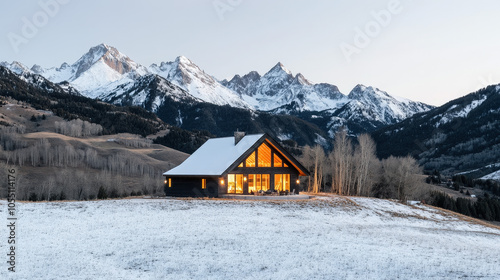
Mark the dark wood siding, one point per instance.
(192, 187)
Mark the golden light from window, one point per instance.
(250, 162)
(264, 156)
(277, 161)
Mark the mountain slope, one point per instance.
(190, 77)
(148, 92)
(93, 73)
(461, 135)
(279, 87)
(107, 74)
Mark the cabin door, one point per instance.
(235, 183)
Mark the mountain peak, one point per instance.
(108, 55)
(302, 80)
(279, 67)
(37, 69)
(183, 60)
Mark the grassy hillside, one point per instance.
(54, 166)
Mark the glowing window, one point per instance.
(169, 182)
(266, 182)
(252, 180)
(264, 156)
(203, 183)
(257, 182)
(239, 183)
(282, 182)
(231, 183)
(235, 183)
(241, 165)
(277, 161)
(285, 165)
(250, 162)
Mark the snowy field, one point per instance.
(326, 238)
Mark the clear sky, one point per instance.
(424, 50)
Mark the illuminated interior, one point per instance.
(282, 182)
(241, 165)
(264, 156)
(257, 182)
(277, 161)
(250, 162)
(235, 183)
(203, 183)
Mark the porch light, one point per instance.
(222, 181)
(298, 181)
(165, 181)
(245, 179)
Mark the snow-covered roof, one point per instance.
(215, 156)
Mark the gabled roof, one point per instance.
(219, 155)
(215, 156)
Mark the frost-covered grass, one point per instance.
(325, 238)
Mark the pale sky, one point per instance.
(425, 50)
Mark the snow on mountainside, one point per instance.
(279, 87)
(95, 71)
(36, 80)
(492, 176)
(189, 76)
(149, 92)
(458, 136)
(105, 73)
(378, 105)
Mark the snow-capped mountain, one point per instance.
(189, 76)
(458, 136)
(148, 91)
(377, 105)
(105, 73)
(102, 68)
(15, 67)
(280, 88)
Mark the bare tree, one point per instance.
(400, 178)
(307, 160)
(364, 163)
(319, 162)
(341, 158)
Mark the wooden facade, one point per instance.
(265, 167)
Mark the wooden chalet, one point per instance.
(243, 164)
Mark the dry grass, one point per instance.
(467, 218)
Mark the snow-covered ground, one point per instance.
(325, 238)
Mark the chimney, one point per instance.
(238, 136)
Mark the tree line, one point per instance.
(353, 169)
(78, 128)
(82, 169)
(485, 208)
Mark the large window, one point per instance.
(235, 183)
(282, 182)
(264, 156)
(277, 161)
(250, 162)
(257, 182)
